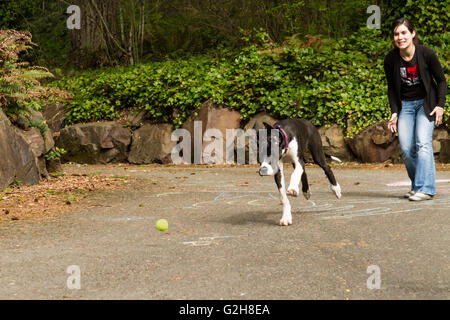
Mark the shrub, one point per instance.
(326, 81)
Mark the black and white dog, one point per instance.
(291, 141)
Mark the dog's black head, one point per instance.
(271, 143)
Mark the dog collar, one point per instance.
(285, 137)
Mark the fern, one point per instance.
(19, 83)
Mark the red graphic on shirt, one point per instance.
(413, 72)
(410, 75)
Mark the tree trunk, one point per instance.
(97, 41)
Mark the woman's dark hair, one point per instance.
(408, 24)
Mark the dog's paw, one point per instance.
(292, 192)
(285, 221)
(337, 190)
(307, 195)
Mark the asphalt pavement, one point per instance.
(224, 240)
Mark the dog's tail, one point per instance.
(333, 158)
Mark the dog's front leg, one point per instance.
(293, 189)
(286, 219)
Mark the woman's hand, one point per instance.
(392, 124)
(439, 111)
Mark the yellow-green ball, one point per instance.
(162, 224)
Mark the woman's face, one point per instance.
(403, 38)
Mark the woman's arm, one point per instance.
(388, 70)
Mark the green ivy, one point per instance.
(326, 81)
(55, 154)
(430, 17)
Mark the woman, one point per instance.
(416, 91)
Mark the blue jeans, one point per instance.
(415, 133)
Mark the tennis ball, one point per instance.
(162, 224)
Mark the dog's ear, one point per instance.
(256, 126)
(267, 126)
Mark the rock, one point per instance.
(381, 136)
(333, 142)
(396, 157)
(36, 116)
(53, 166)
(97, 142)
(54, 114)
(444, 155)
(136, 118)
(49, 143)
(374, 144)
(42, 167)
(39, 145)
(35, 140)
(21, 121)
(438, 135)
(17, 160)
(216, 117)
(151, 143)
(259, 119)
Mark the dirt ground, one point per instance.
(56, 195)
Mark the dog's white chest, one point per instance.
(292, 152)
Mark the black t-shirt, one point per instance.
(412, 84)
